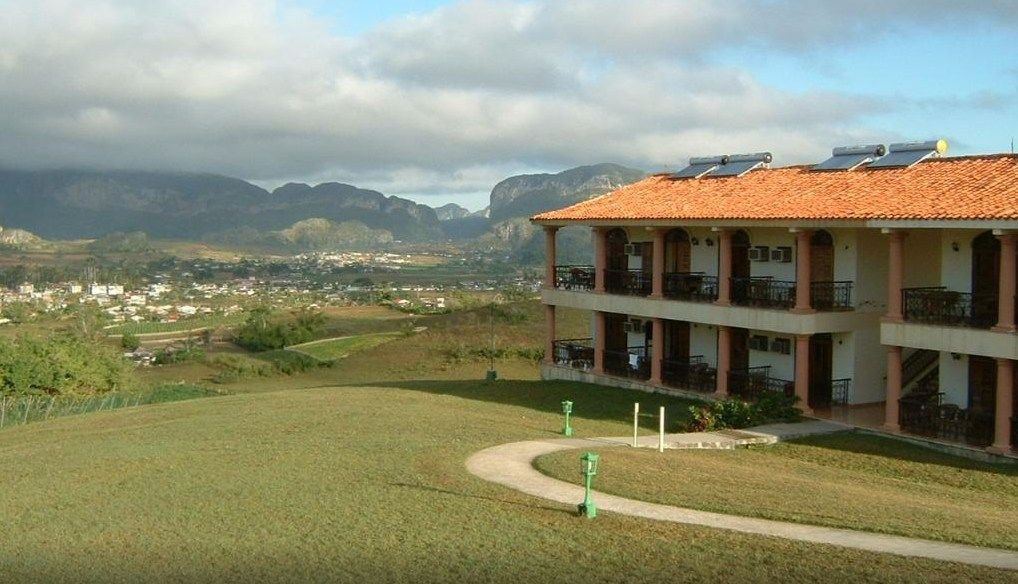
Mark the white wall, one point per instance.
(703, 340)
(922, 261)
(870, 290)
(954, 379)
(703, 257)
(869, 380)
(956, 266)
(845, 253)
(772, 237)
(782, 366)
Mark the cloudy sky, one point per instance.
(439, 100)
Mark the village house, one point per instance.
(878, 286)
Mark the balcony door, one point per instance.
(821, 366)
(617, 258)
(982, 384)
(677, 252)
(740, 266)
(985, 278)
(821, 269)
(739, 352)
(615, 338)
(676, 340)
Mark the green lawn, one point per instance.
(331, 349)
(848, 480)
(358, 484)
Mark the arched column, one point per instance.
(802, 373)
(1004, 408)
(658, 277)
(599, 341)
(549, 344)
(1006, 300)
(724, 267)
(893, 388)
(895, 275)
(549, 256)
(724, 360)
(803, 263)
(658, 334)
(600, 257)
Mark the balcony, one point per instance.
(753, 382)
(631, 363)
(923, 413)
(691, 286)
(829, 296)
(628, 282)
(763, 292)
(692, 374)
(574, 277)
(938, 305)
(575, 353)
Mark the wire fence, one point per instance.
(20, 410)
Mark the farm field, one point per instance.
(357, 483)
(854, 481)
(183, 325)
(342, 347)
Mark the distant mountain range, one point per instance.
(73, 204)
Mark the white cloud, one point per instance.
(445, 102)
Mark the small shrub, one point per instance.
(736, 413)
(130, 342)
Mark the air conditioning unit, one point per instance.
(781, 254)
(759, 253)
(633, 326)
(758, 343)
(780, 345)
(632, 249)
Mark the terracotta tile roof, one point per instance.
(963, 187)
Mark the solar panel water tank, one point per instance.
(740, 164)
(699, 166)
(905, 154)
(850, 157)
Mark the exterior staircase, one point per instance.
(920, 369)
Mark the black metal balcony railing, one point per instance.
(753, 382)
(692, 373)
(938, 305)
(764, 292)
(923, 413)
(575, 353)
(839, 391)
(831, 295)
(694, 286)
(631, 282)
(574, 277)
(632, 363)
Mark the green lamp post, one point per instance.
(567, 408)
(588, 468)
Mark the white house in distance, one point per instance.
(878, 286)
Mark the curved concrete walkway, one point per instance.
(512, 465)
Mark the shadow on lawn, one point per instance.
(886, 447)
(592, 402)
(483, 498)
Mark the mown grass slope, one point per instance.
(357, 484)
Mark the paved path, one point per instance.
(512, 465)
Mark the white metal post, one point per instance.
(661, 434)
(636, 422)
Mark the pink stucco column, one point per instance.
(658, 334)
(724, 359)
(549, 343)
(893, 389)
(802, 373)
(1005, 320)
(724, 268)
(599, 333)
(549, 256)
(658, 277)
(803, 263)
(1004, 407)
(600, 257)
(895, 276)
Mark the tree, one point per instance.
(130, 342)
